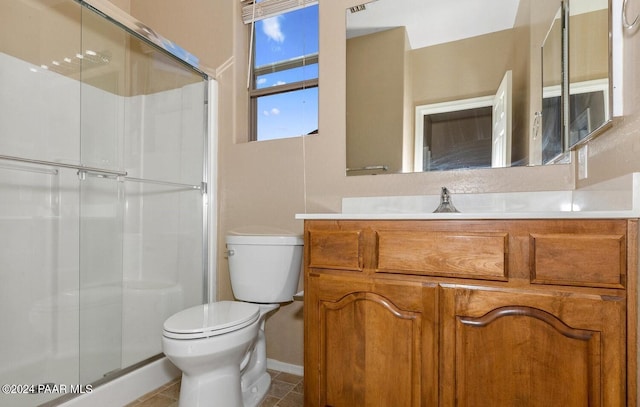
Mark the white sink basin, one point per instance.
(616, 198)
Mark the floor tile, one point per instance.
(288, 378)
(172, 391)
(158, 401)
(292, 400)
(286, 391)
(270, 401)
(280, 389)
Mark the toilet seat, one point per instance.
(206, 320)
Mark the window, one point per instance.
(283, 87)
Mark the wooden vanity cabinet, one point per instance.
(470, 313)
(376, 342)
(524, 349)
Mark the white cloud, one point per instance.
(273, 112)
(279, 83)
(271, 27)
(261, 81)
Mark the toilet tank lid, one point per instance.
(264, 236)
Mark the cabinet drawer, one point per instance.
(452, 254)
(580, 259)
(335, 250)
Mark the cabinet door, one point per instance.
(528, 349)
(369, 343)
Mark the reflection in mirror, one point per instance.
(412, 66)
(454, 135)
(552, 101)
(471, 133)
(589, 85)
(421, 91)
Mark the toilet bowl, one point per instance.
(220, 347)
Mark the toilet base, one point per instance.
(220, 388)
(224, 387)
(256, 380)
(253, 396)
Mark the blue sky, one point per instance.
(281, 38)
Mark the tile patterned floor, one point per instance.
(286, 391)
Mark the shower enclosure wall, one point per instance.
(102, 195)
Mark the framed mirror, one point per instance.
(424, 80)
(589, 45)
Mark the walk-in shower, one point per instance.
(103, 194)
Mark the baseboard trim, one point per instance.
(285, 367)
(129, 387)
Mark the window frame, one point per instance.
(436, 108)
(255, 93)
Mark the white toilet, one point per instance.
(220, 346)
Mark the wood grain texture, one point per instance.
(533, 350)
(466, 255)
(471, 313)
(335, 250)
(374, 343)
(578, 259)
(632, 313)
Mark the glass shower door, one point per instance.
(102, 146)
(144, 113)
(39, 207)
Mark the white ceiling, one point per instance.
(431, 22)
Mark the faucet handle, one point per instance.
(446, 206)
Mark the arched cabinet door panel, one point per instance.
(370, 341)
(505, 349)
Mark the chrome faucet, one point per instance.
(445, 202)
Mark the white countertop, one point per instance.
(476, 215)
(616, 198)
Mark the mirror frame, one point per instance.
(558, 90)
(608, 122)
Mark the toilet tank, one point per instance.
(264, 267)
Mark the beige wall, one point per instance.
(462, 69)
(269, 182)
(589, 46)
(50, 34)
(376, 95)
(123, 4)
